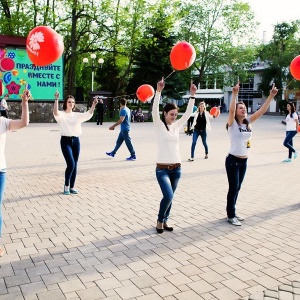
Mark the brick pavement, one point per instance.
(102, 244)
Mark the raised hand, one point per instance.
(56, 95)
(273, 91)
(193, 89)
(236, 88)
(161, 85)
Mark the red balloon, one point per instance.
(6, 64)
(214, 111)
(295, 67)
(182, 56)
(44, 45)
(145, 92)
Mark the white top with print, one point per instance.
(240, 138)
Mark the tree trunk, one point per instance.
(73, 59)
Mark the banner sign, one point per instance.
(16, 70)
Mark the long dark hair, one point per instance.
(292, 108)
(166, 109)
(245, 121)
(66, 100)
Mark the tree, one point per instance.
(221, 34)
(278, 54)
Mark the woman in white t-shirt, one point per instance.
(240, 132)
(70, 129)
(168, 167)
(10, 125)
(292, 124)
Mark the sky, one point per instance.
(269, 13)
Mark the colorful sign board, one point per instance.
(16, 70)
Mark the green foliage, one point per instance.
(221, 35)
(135, 38)
(279, 52)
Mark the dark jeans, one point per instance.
(70, 147)
(236, 170)
(124, 136)
(99, 118)
(288, 141)
(168, 181)
(4, 113)
(203, 135)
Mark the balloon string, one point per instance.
(169, 75)
(289, 83)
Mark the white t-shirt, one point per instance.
(70, 123)
(168, 140)
(4, 127)
(3, 105)
(290, 122)
(240, 138)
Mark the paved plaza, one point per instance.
(102, 243)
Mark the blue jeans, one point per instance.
(236, 170)
(288, 141)
(70, 147)
(124, 136)
(167, 180)
(203, 135)
(2, 188)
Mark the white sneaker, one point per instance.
(191, 159)
(240, 218)
(234, 221)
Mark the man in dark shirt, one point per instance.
(100, 111)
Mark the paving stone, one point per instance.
(51, 295)
(33, 288)
(71, 286)
(91, 294)
(103, 241)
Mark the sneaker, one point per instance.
(132, 157)
(206, 156)
(240, 218)
(73, 191)
(191, 159)
(234, 221)
(66, 190)
(111, 154)
(295, 154)
(287, 160)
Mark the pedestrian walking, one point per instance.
(124, 121)
(4, 106)
(99, 111)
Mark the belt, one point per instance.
(169, 167)
(70, 137)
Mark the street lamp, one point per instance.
(93, 66)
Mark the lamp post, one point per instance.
(93, 66)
